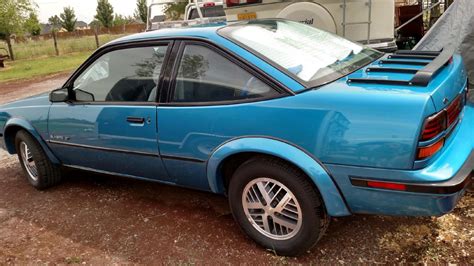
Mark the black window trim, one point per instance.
(114, 47)
(231, 56)
(224, 32)
(167, 80)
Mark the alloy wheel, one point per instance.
(272, 208)
(28, 161)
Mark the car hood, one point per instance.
(35, 100)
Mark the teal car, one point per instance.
(293, 124)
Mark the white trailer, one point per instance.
(369, 22)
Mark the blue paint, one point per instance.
(106, 126)
(331, 132)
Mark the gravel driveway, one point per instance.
(95, 219)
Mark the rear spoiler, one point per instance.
(421, 77)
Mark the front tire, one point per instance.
(39, 170)
(277, 206)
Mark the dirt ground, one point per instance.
(95, 219)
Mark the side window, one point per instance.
(126, 75)
(206, 76)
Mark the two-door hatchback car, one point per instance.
(293, 124)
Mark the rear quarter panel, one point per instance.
(448, 83)
(376, 128)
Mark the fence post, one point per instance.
(55, 43)
(96, 37)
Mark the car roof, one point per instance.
(206, 31)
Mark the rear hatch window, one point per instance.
(310, 55)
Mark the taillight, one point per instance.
(453, 110)
(428, 151)
(434, 125)
(439, 122)
(209, 4)
(230, 3)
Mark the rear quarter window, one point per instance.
(206, 76)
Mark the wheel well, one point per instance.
(9, 136)
(231, 163)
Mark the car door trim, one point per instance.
(104, 172)
(103, 148)
(180, 158)
(168, 74)
(171, 157)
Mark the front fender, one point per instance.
(330, 193)
(12, 126)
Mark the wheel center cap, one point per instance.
(270, 210)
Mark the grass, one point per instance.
(25, 69)
(38, 58)
(41, 48)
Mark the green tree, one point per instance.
(32, 25)
(55, 22)
(68, 19)
(195, 66)
(122, 20)
(175, 10)
(95, 24)
(13, 14)
(141, 11)
(105, 13)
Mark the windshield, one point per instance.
(310, 54)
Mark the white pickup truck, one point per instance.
(208, 11)
(369, 22)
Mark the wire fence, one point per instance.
(61, 43)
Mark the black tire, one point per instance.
(314, 217)
(48, 174)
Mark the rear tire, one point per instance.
(39, 170)
(289, 228)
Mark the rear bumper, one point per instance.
(430, 199)
(420, 199)
(455, 185)
(431, 191)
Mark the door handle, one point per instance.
(135, 120)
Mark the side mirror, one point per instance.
(59, 95)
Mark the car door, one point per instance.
(209, 99)
(110, 124)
